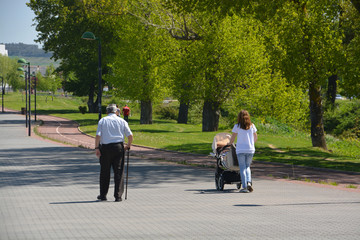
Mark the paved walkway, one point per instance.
(48, 191)
(67, 131)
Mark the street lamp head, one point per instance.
(23, 61)
(20, 69)
(22, 76)
(88, 36)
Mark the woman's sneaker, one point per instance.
(244, 190)
(249, 187)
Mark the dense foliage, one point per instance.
(10, 74)
(344, 121)
(271, 57)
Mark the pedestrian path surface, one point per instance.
(66, 131)
(48, 191)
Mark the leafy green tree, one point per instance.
(305, 42)
(60, 24)
(182, 77)
(273, 96)
(350, 77)
(136, 71)
(212, 66)
(227, 62)
(8, 70)
(51, 81)
(41, 83)
(307, 49)
(182, 32)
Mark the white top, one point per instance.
(245, 139)
(112, 129)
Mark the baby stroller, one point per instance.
(227, 166)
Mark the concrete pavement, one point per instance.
(48, 191)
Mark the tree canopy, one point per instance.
(262, 55)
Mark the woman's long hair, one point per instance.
(243, 119)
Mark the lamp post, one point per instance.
(2, 91)
(23, 61)
(26, 104)
(22, 96)
(91, 36)
(35, 80)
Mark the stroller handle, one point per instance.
(220, 149)
(224, 147)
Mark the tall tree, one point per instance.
(221, 62)
(8, 70)
(182, 77)
(60, 24)
(212, 62)
(350, 77)
(308, 45)
(136, 72)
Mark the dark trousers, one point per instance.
(126, 118)
(112, 155)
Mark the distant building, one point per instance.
(3, 51)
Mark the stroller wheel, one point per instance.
(219, 182)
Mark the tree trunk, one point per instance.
(91, 105)
(146, 112)
(331, 92)
(210, 116)
(183, 112)
(316, 116)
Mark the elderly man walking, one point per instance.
(109, 145)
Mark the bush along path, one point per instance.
(64, 131)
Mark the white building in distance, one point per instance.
(3, 51)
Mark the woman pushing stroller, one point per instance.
(246, 135)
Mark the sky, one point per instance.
(16, 22)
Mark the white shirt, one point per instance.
(245, 139)
(112, 129)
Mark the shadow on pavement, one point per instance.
(48, 166)
(12, 122)
(213, 191)
(61, 166)
(74, 202)
(295, 204)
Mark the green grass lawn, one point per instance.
(272, 146)
(45, 103)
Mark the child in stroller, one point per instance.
(227, 166)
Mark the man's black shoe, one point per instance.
(101, 198)
(118, 199)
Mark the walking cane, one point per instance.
(127, 173)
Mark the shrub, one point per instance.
(344, 120)
(167, 112)
(195, 113)
(82, 109)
